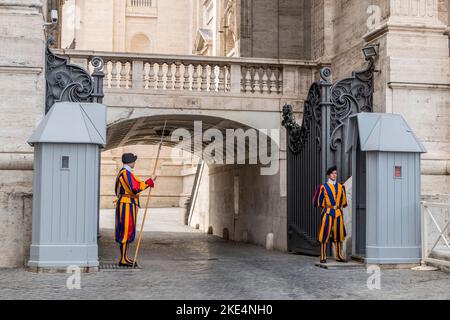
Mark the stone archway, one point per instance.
(243, 204)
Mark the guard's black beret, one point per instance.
(330, 170)
(128, 158)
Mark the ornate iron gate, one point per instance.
(317, 144)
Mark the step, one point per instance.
(332, 265)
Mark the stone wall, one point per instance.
(275, 29)
(22, 106)
(201, 211)
(246, 206)
(110, 25)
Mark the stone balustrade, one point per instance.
(207, 75)
(141, 3)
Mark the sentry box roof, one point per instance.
(72, 122)
(382, 132)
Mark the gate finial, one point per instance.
(325, 74)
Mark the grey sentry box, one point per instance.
(67, 145)
(386, 189)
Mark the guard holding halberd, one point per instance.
(127, 189)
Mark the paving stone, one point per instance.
(192, 265)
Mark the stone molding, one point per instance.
(16, 161)
(418, 86)
(23, 70)
(22, 3)
(388, 27)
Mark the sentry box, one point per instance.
(386, 189)
(67, 146)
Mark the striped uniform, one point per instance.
(127, 189)
(331, 199)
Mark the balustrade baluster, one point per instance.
(273, 82)
(257, 81)
(130, 75)
(280, 80)
(221, 79)
(243, 74)
(114, 79)
(145, 75)
(169, 84)
(151, 76)
(195, 78)
(265, 81)
(212, 78)
(177, 84)
(122, 81)
(160, 75)
(108, 69)
(248, 80)
(228, 79)
(186, 84)
(204, 81)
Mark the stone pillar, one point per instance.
(119, 42)
(22, 104)
(322, 30)
(415, 81)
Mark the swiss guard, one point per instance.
(331, 199)
(128, 187)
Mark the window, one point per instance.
(65, 162)
(398, 172)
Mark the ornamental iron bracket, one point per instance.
(69, 82)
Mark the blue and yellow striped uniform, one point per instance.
(331, 198)
(127, 189)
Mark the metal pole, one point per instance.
(149, 196)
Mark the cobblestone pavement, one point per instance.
(187, 264)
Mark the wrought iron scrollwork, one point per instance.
(68, 82)
(299, 135)
(348, 96)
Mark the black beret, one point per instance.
(330, 170)
(128, 158)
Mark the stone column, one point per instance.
(415, 81)
(22, 104)
(322, 30)
(119, 42)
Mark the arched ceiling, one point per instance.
(148, 130)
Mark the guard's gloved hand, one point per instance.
(150, 182)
